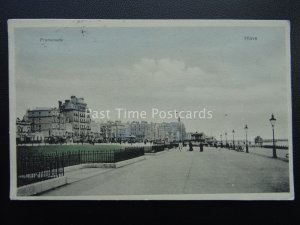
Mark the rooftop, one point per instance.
(43, 109)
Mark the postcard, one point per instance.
(150, 110)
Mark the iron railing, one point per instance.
(158, 148)
(82, 157)
(33, 168)
(154, 148)
(128, 153)
(276, 146)
(39, 167)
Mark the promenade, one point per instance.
(174, 172)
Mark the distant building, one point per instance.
(72, 121)
(188, 136)
(46, 122)
(168, 132)
(96, 130)
(23, 130)
(177, 131)
(138, 129)
(198, 136)
(105, 131)
(163, 132)
(117, 130)
(201, 137)
(210, 139)
(75, 112)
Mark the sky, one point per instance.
(169, 68)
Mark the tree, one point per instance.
(258, 141)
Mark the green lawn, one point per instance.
(67, 148)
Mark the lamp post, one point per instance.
(246, 130)
(273, 121)
(233, 139)
(221, 140)
(180, 128)
(226, 139)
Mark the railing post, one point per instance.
(62, 163)
(79, 157)
(57, 165)
(69, 158)
(50, 169)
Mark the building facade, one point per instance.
(72, 121)
(75, 112)
(46, 122)
(23, 129)
(96, 132)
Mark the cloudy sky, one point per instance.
(176, 68)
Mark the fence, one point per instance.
(82, 157)
(33, 168)
(159, 148)
(277, 146)
(128, 153)
(148, 149)
(154, 148)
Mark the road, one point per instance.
(174, 172)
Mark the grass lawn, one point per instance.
(66, 148)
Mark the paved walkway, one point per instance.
(175, 172)
(281, 153)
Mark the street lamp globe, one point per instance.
(272, 120)
(246, 128)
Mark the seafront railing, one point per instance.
(37, 167)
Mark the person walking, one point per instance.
(180, 145)
(191, 146)
(201, 147)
